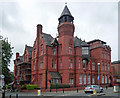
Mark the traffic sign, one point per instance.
(2, 76)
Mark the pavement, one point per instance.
(107, 92)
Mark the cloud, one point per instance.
(92, 20)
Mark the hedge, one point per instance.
(32, 87)
(56, 86)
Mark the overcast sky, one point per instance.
(92, 20)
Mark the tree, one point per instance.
(6, 56)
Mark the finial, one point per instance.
(65, 3)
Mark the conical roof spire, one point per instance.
(66, 11)
(66, 16)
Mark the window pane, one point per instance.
(54, 51)
(93, 79)
(88, 79)
(85, 51)
(70, 50)
(103, 79)
(83, 63)
(79, 63)
(80, 79)
(70, 63)
(84, 79)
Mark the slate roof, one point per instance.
(95, 41)
(84, 43)
(54, 42)
(66, 12)
(79, 43)
(116, 62)
(30, 50)
(55, 75)
(47, 38)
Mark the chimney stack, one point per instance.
(39, 29)
(17, 55)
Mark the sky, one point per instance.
(92, 20)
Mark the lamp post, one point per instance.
(98, 74)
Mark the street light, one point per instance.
(98, 75)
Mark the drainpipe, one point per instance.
(47, 64)
(75, 66)
(57, 56)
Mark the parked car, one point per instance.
(91, 88)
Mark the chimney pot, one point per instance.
(17, 55)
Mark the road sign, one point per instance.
(98, 77)
(2, 76)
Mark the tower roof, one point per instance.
(66, 12)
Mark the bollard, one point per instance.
(39, 92)
(77, 90)
(3, 95)
(16, 95)
(50, 90)
(94, 91)
(10, 96)
(63, 90)
(115, 89)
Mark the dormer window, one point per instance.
(85, 50)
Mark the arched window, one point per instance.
(83, 63)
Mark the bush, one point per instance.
(32, 87)
(37, 88)
(56, 86)
(23, 86)
(8, 87)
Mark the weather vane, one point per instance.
(65, 3)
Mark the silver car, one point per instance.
(91, 88)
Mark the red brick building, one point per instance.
(22, 66)
(67, 59)
(116, 70)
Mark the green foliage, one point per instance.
(6, 56)
(32, 87)
(56, 86)
(8, 87)
(23, 87)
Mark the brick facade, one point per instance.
(67, 59)
(116, 70)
